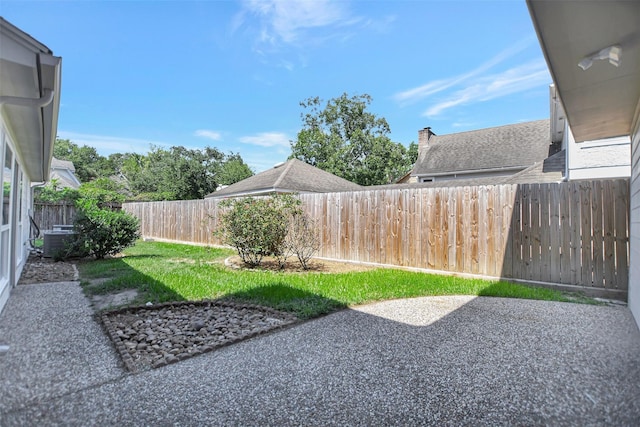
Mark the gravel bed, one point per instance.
(46, 270)
(155, 336)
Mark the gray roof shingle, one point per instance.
(294, 176)
(550, 169)
(510, 146)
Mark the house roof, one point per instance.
(62, 164)
(64, 172)
(294, 176)
(29, 97)
(505, 147)
(551, 169)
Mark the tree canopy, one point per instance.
(342, 137)
(176, 173)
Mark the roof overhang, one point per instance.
(601, 101)
(29, 98)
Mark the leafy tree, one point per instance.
(88, 163)
(233, 170)
(344, 138)
(103, 191)
(177, 173)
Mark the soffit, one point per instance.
(600, 102)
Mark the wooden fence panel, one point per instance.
(622, 233)
(46, 215)
(569, 233)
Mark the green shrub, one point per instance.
(103, 232)
(54, 193)
(257, 227)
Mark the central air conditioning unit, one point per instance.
(56, 241)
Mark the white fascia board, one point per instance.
(600, 172)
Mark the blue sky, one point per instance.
(231, 74)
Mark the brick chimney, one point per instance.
(424, 136)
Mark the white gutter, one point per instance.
(29, 102)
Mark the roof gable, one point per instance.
(62, 164)
(512, 146)
(294, 176)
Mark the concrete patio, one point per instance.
(424, 361)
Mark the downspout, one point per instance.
(29, 102)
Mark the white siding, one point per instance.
(604, 158)
(634, 264)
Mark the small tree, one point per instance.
(302, 238)
(257, 227)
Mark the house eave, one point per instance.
(601, 101)
(29, 98)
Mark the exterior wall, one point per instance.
(605, 158)
(634, 223)
(14, 221)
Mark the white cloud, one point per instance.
(514, 80)
(423, 91)
(106, 145)
(286, 20)
(267, 139)
(210, 134)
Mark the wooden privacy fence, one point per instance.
(573, 233)
(46, 215)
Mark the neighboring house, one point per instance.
(490, 155)
(29, 103)
(64, 173)
(542, 151)
(293, 176)
(593, 53)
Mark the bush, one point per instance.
(103, 232)
(302, 238)
(257, 227)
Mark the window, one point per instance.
(5, 224)
(7, 176)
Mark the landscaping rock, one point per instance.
(150, 337)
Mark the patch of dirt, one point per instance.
(293, 265)
(115, 299)
(46, 270)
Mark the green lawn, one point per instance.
(172, 272)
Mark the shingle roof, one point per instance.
(550, 169)
(62, 164)
(294, 176)
(510, 146)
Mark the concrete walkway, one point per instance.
(434, 361)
